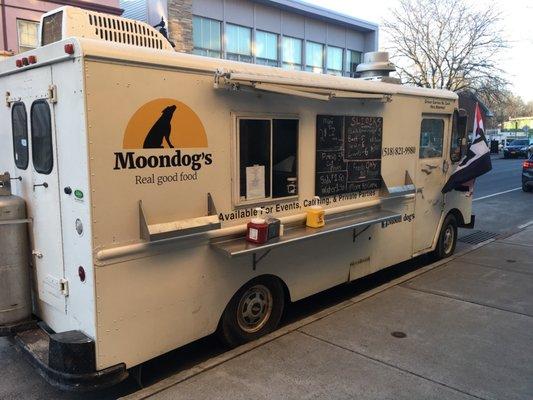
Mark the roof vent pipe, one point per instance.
(375, 64)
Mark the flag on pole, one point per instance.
(475, 163)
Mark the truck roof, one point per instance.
(127, 54)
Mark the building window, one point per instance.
(266, 48)
(238, 43)
(334, 60)
(19, 125)
(431, 138)
(268, 158)
(206, 37)
(314, 57)
(28, 37)
(353, 59)
(292, 53)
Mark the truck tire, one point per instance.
(447, 238)
(526, 188)
(253, 311)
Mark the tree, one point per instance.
(447, 44)
(508, 106)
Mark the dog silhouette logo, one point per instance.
(160, 130)
(164, 124)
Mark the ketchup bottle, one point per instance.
(257, 231)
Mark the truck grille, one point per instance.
(125, 31)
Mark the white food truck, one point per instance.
(140, 168)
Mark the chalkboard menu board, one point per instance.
(348, 154)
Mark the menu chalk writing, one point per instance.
(331, 183)
(348, 154)
(363, 170)
(329, 132)
(330, 160)
(363, 138)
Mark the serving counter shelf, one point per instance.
(236, 247)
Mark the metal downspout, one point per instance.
(4, 27)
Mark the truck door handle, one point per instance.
(44, 184)
(37, 254)
(431, 166)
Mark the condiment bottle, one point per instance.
(315, 216)
(257, 231)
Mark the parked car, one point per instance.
(517, 148)
(504, 142)
(527, 175)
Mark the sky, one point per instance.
(517, 25)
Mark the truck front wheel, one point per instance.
(447, 238)
(253, 311)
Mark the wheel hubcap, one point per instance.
(448, 239)
(255, 308)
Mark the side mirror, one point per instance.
(459, 135)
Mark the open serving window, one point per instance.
(266, 159)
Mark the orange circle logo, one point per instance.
(164, 124)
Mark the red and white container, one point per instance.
(257, 231)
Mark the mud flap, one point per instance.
(471, 224)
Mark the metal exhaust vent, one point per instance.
(377, 66)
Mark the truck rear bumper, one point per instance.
(67, 361)
(10, 330)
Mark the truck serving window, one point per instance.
(431, 138)
(268, 158)
(19, 125)
(41, 137)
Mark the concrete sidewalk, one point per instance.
(461, 329)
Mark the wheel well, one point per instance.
(286, 292)
(458, 216)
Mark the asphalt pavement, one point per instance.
(499, 202)
(478, 308)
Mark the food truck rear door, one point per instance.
(43, 190)
(430, 177)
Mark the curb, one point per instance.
(234, 353)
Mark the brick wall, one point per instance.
(180, 24)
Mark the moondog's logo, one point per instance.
(163, 124)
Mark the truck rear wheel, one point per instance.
(447, 238)
(253, 311)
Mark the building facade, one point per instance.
(524, 124)
(284, 33)
(19, 20)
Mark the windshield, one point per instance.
(519, 143)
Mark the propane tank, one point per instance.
(15, 296)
